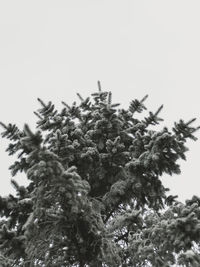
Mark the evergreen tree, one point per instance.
(95, 197)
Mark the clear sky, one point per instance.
(53, 49)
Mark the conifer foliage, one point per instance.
(95, 197)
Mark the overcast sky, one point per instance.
(53, 49)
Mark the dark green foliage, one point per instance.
(95, 197)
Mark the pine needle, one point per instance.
(109, 98)
(41, 102)
(80, 97)
(158, 111)
(37, 115)
(3, 125)
(144, 98)
(99, 86)
(65, 104)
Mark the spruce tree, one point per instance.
(95, 196)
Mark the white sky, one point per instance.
(53, 49)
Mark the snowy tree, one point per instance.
(95, 197)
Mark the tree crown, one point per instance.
(95, 196)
